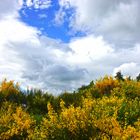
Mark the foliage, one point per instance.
(106, 84)
(138, 77)
(106, 109)
(119, 76)
(15, 123)
(10, 91)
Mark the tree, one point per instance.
(119, 76)
(138, 77)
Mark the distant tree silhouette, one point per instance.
(119, 76)
(138, 77)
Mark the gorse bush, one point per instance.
(106, 109)
(106, 84)
(9, 90)
(14, 122)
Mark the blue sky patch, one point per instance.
(43, 19)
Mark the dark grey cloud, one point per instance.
(45, 66)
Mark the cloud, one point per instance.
(59, 17)
(90, 48)
(128, 69)
(114, 19)
(42, 62)
(49, 64)
(45, 66)
(14, 31)
(35, 60)
(42, 16)
(9, 8)
(39, 61)
(38, 4)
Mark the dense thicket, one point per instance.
(108, 108)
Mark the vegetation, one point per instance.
(108, 108)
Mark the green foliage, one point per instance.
(129, 112)
(138, 78)
(70, 98)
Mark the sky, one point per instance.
(59, 45)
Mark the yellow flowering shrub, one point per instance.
(106, 84)
(131, 89)
(85, 117)
(83, 122)
(8, 87)
(9, 91)
(14, 122)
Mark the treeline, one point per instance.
(108, 108)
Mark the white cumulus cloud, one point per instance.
(114, 19)
(38, 4)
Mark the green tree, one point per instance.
(138, 77)
(119, 76)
